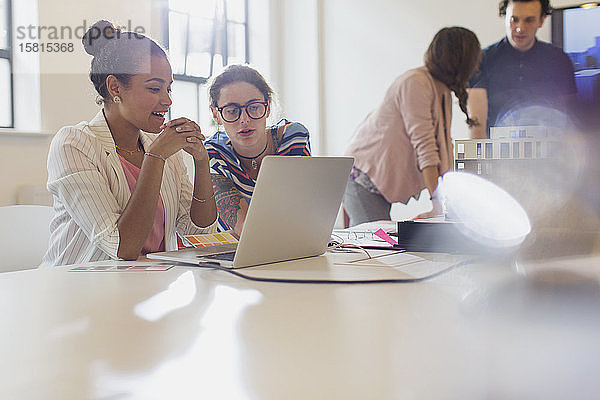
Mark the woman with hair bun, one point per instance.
(119, 183)
(405, 145)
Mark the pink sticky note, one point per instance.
(380, 233)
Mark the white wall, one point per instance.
(367, 45)
(295, 63)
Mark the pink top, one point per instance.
(156, 238)
(407, 133)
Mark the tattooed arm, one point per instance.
(231, 204)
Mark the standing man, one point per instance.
(519, 70)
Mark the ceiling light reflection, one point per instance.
(179, 294)
(213, 363)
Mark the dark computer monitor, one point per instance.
(577, 31)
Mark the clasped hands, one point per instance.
(177, 134)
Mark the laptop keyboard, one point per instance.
(223, 256)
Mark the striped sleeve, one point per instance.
(225, 163)
(295, 140)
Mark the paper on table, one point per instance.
(363, 238)
(385, 264)
(412, 265)
(438, 219)
(387, 226)
(114, 268)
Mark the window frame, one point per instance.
(7, 54)
(225, 44)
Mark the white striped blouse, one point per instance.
(90, 191)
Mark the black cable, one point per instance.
(332, 281)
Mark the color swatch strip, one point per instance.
(210, 239)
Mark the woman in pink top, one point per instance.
(404, 145)
(119, 183)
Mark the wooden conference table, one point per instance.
(483, 330)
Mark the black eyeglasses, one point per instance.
(233, 112)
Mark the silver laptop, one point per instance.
(293, 209)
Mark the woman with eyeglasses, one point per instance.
(119, 183)
(240, 101)
(405, 145)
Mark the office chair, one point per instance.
(24, 234)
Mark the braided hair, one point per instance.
(452, 57)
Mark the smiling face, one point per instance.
(146, 99)
(245, 133)
(523, 19)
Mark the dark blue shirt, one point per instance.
(542, 75)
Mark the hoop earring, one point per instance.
(117, 100)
